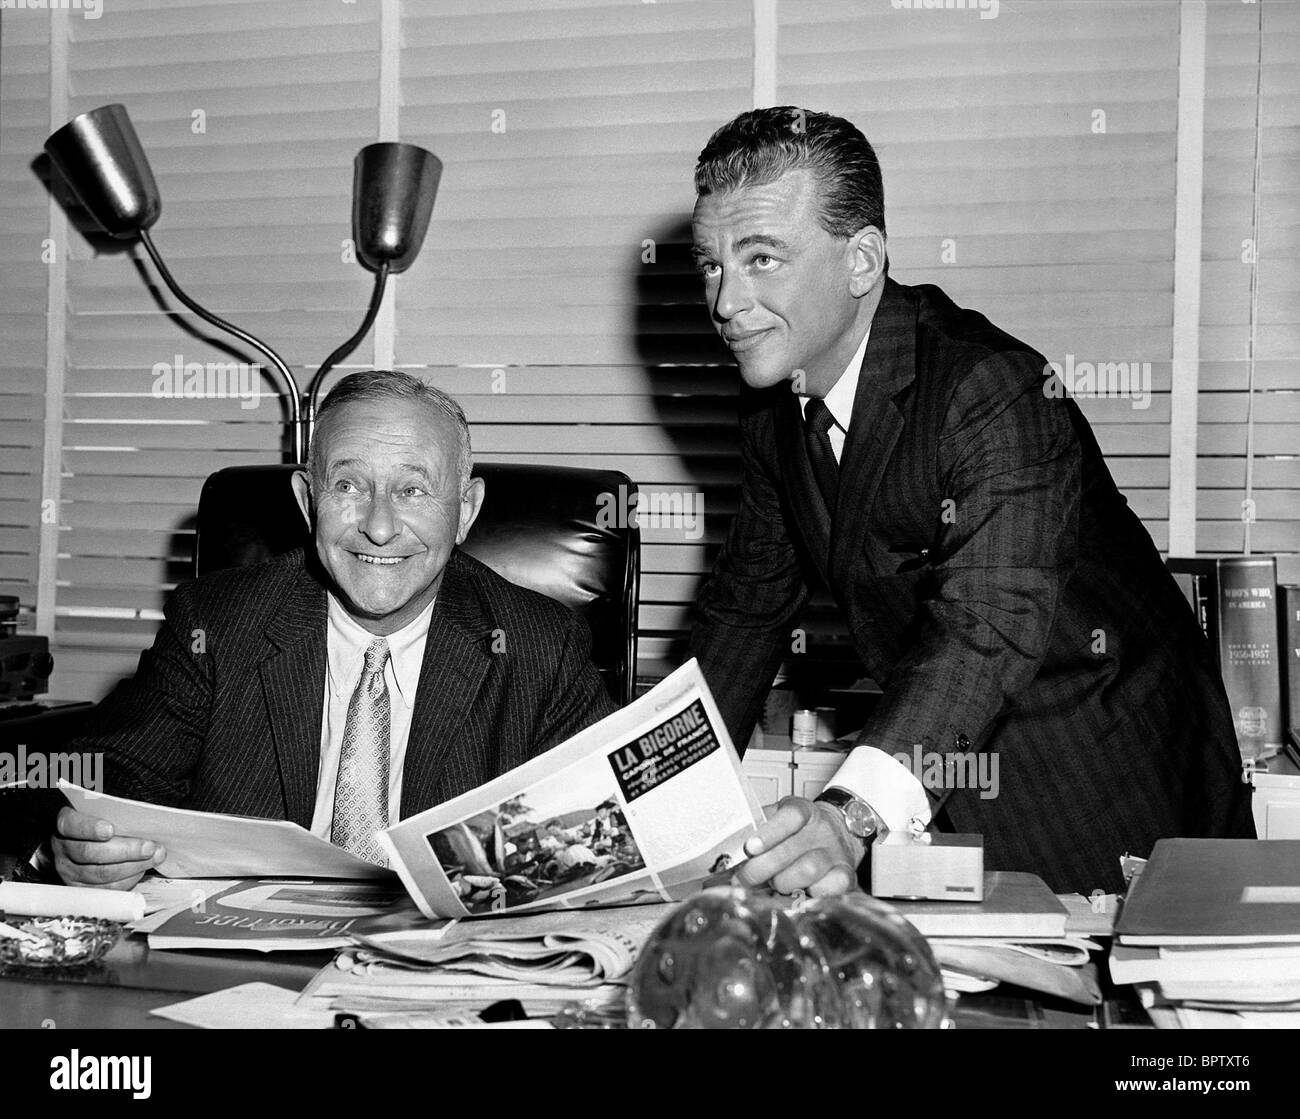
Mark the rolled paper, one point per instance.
(30, 900)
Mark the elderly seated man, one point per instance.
(348, 685)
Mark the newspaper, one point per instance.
(581, 947)
(648, 805)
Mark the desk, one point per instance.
(133, 980)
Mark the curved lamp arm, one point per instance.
(290, 385)
(313, 390)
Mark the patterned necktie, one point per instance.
(361, 793)
(817, 420)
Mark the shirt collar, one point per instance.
(346, 651)
(840, 399)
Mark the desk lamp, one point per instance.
(394, 185)
(393, 188)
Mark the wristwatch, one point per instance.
(859, 817)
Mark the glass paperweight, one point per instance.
(731, 959)
(41, 943)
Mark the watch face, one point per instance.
(859, 818)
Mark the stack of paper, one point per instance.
(1212, 926)
(1017, 934)
(542, 959)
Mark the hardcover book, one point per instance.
(1235, 598)
(1016, 904)
(1290, 637)
(1215, 892)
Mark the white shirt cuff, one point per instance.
(893, 792)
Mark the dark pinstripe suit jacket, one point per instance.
(997, 587)
(224, 712)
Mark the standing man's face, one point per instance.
(386, 507)
(784, 294)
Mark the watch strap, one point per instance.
(842, 799)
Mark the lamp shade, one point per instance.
(393, 188)
(100, 156)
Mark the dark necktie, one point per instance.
(817, 421)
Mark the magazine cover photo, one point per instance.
(559, 836)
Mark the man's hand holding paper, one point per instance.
(88, 852)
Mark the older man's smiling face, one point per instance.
(386, 507)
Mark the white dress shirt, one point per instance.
(893, 791)
(346, 643)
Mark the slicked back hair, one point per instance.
(387, 384)
(761, 145)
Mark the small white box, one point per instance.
(942, 867)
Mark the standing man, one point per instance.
(904, 452)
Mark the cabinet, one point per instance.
(775, 769)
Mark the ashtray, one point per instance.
(56, 942)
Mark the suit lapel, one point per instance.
(455, 665)
(293, 689)
(888, 367)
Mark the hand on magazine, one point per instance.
(802, 846)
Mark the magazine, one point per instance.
(648, 805)
(281, 914)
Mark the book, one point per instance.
(1198, 579)
(1016, 905)
(1215, 892)
(1236, 599)
(1247, 963)
(1290, 638)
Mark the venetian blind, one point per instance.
(251, 114)
(1028, 165)
(1029, 170)
(24, 274)
(1252, 96)
(555, 298)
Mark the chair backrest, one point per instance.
(542, 527)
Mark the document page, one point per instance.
(210, 845)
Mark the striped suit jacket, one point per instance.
(224, 713)
(999, 589)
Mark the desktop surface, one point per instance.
(134, 979)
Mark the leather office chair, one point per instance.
(538, 528)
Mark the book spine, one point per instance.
(1290, 635)
(1249, 656)
(1205, 605)
(1198, 579)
